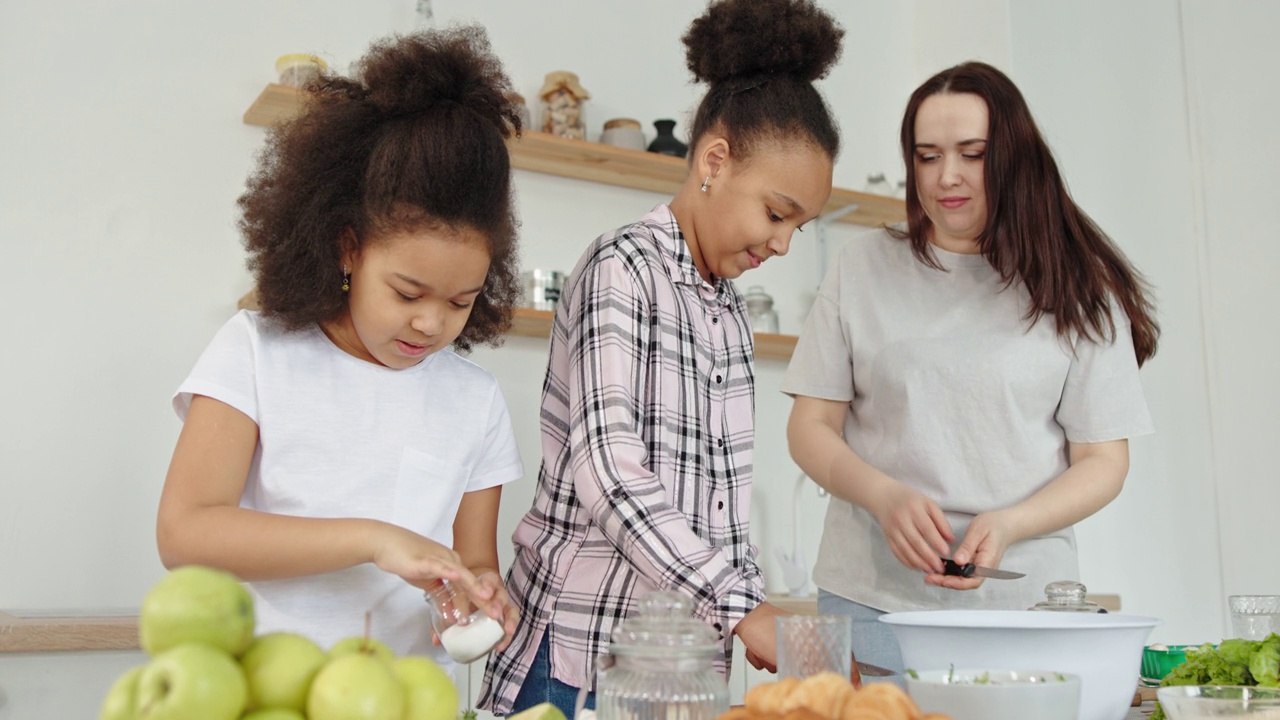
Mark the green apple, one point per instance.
(356, 686)
(196, 604)
(365, 645)
(279, 667)
(429, 691)
(191, 682)
(121, 702)
(274, 714)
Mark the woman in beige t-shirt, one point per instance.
(966, 387)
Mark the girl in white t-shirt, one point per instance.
(336, 453)
(965, 388)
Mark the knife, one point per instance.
(872, 670)
(951, 567)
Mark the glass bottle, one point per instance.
(662, 665)
(764, 319)
(1067, 596)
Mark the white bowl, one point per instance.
(1197, 702)
(1104, 649)
(996, 694)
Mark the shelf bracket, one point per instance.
(820, 226)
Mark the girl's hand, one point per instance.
(984, 544)
(758, 632)
(420, 561)
(917, 531)
(500, 607)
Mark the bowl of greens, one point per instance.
(1235, 662)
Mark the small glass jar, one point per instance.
(764, 319)
(663, 666)
(466, 633)
(563, 98)
(1067, 596)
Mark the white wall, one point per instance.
(122, 153)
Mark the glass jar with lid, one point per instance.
(1067, 596)
(661, 665)
(764, 319)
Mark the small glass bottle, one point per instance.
(764, 319)
(466, 633)
(1067, 596)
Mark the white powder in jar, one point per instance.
(466, 643)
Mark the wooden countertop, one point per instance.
(20, 632)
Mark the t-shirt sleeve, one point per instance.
(1102, 398)
(500, 461)
(225, 371)
(821, 364)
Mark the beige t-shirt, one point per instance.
(951, 392)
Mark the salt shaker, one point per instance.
(466, 632)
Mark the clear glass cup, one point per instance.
(466, 632)
(812, 644)
(1254, 617)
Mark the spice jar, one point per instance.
(562, 101)
(764, 319)
(663, 665)
(1067, 596)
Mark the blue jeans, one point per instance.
(873, 641)
(540, 687)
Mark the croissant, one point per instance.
(827, 696)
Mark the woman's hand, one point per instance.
(984, 544)
(914, 526)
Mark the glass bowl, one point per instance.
(1196, 702)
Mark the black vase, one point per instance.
(666, 143)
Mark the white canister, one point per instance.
(542, 288)
(623, 132)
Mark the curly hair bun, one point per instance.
(737, 38)
(407, 75)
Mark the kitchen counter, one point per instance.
(22, 632)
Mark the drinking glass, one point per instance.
(811, 644)
(1254, 617)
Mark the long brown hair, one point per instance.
(1034, 234)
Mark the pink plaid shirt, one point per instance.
(648, 429)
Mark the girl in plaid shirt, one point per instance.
(648, 404)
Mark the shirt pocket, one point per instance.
(428, 491)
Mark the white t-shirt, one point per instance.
(341, 437)
(950, 392)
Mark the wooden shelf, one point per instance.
(48, 633)
(537, 323)
(597, 162)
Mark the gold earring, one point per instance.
(346, 280)
(706, 182)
